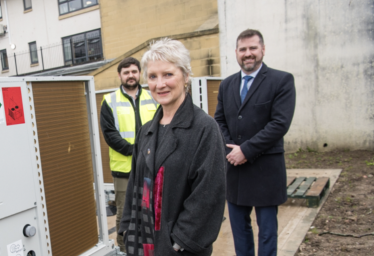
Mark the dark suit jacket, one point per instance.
(258, 126)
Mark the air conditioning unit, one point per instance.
(2, 30)
(52, 200)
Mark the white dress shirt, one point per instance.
(254, 74)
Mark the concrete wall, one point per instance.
(204, 52)
(126, 24)
(43, 25)
(329, 47)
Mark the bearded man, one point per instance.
(123, 112)
(254, 111)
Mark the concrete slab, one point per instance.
(294, 219)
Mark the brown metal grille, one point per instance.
(104, 147)
(65, 154)
(212, 88)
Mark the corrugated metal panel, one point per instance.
(65, 153)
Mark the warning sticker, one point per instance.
(2, 115)
(13, 106)
(15, 249)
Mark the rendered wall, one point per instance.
(329, 48)
(126, 24)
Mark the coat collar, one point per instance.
(182, 119)
(256, 83)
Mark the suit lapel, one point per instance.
(256, 84)
(235, 86)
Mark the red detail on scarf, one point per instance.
(157, 199)
(145, 199)
(149, 249)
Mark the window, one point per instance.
(4, 59)
(33, 53)
(1, 12)
(27, 5)
(66, 6)
(82, 48)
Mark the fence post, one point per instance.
(15, 61)
(41, 53)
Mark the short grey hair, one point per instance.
(168, 50)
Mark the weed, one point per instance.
(346, 150)
(348, 199)
(300, 150)
(306, 240)
(370, 162)
(314, 231)
(330, 217)
(338, 200)
(304, 156)
(290, 156)
(310, 150)
(295, 154)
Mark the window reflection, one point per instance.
(83, 48)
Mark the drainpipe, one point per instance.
(7, 21)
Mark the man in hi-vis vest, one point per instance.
(123, 112)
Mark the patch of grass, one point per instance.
(338, 200)
(348, 199)
(304, 156)
(306, 240)
(315, 231)
(370, 162)
(310, 150)
(290, 156)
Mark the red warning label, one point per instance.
(13, 106)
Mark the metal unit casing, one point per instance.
(204, 93)
(23, 186)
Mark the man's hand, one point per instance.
(236, 156)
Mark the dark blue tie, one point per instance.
(245, 88)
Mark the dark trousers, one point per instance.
(242, 229)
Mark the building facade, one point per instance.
(43, 35)
(129, 26)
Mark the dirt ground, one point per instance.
(348, 211)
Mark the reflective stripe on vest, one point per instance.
(124, 121)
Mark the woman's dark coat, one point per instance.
(193, 155)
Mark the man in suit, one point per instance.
(254, 111)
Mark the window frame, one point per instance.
(67, 2)
(24, 5)
(1, 12)
(86, 48)
(36, 50)
(1, 55)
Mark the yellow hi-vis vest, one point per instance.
(124, 120)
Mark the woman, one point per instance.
(176, 193)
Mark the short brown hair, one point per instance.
(249, 33)
(127, 62)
